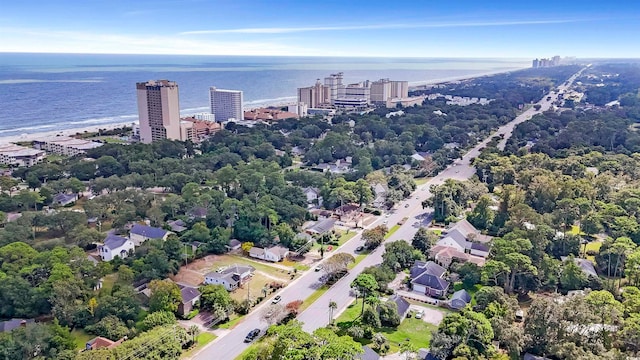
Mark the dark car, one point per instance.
(360, 248)
(252, 335)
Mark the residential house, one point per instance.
(274, 253)
(198, 212)
(9, 325)
(141, 233)
(445, 255)
(100, 342)
(457, 240)
(402, 304)
(190, 296)
(63, 199)
(313, 196)
(177, 226)
(234, 244)
(426, 278)
(231, 278)
(114, 246)
(585, 265)
(368, 354)
(470, 232)
(380, 193)
(322, 226)
(459, 299)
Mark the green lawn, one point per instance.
(417, 331)
(203, 339)
(312, 298)
(393, 229)
(422, 180)
(437, 231)
(107, 283)
(593, 246)
(346, 236)
(228, 260)
(359, 258)
(234, 319)
(80, 337)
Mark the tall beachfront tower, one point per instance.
(158, 110)
(226, 104)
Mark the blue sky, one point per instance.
(394, 28)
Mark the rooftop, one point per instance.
(113, 242)
(148, 231)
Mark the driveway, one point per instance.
(431, 315)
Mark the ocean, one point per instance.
(52, 92)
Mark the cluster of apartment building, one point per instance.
(16, 155)
(545, 62)
(65, 145)
(333, 93)
(159, 112)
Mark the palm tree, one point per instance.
(194, 331)
(332, 307)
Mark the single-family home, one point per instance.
(100, 342)
(380, 196)
(189, 297)
(140, 233)
(231, 278)
(457, 240)
(274, 253)
(64, 199)
(177, 226)
(322, 226)
(445, 255)
(459, 299)
(234, 244)
(198, 212)
(313, 196)
(9, 325)
(368, 354)
(470, 232)
(585, 265)
(113, 246)
(402, 304)
(426, 278)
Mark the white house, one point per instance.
(115, 246)
(274, 254)
(313, 196)
(231, 278)
(141, 233)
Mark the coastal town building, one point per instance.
(268, 114)
(231, 278)
(273, 254)
(385, 89)
(196, 130)
(20, 156)
(65, 145)
(298, 108)
(226, 104)
(114, 246)
(158, 110)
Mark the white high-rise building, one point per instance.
(334, 83)
(158, 110)
(226, 104)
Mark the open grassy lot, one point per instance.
(80, 337)
(417, 331)
(203, 339)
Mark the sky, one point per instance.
(391, 28)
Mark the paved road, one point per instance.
(317, 315)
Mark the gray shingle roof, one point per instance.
(368, 354)
(6, 326)
(431, 281)
(322, 226)
(148, 231)
(402, 304)
(113, 242)
(232, 273)
(584, 264)
(430, 267)
(64, 198)
(189, 293)
(458, 296)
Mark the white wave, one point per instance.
(31, 81)
(28, 128)
(107, 119)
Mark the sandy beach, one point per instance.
(249, 106)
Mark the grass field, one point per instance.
(593, 246)
(422, 180)
(80, 337)
(393, 229)
(359, 258)
(203, 339)
(312, 298)
(417, 331)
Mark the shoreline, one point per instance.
(250, 106)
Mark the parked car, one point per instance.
(359, 248)
(318, 268)
(276, 299)
(406, 205)
(252, 335)
(419, 314)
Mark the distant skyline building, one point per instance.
(545, 62)
(158, 110)
(226, 104)
(385, 89)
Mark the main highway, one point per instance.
(231, 345)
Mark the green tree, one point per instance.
(572, 277)
(366, 285)
(158, 318)
(165, 296)
(424, 239)
(215, 297)
(374, 237)
(371, 318)
(482, 215)
(109, 327)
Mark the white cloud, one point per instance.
(283, 30)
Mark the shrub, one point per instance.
(356, 332)
(157, 318)
(192, 314)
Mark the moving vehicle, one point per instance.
(276, 299)
(318, 268)
(359, 248)
(252, 335)
(406, 205)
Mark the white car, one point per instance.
(419, 314)
(276, 299)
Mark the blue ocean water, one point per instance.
(50, 92)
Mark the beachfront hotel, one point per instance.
(20, 156)
(65, 145)
(226, 104)
(158, 110)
